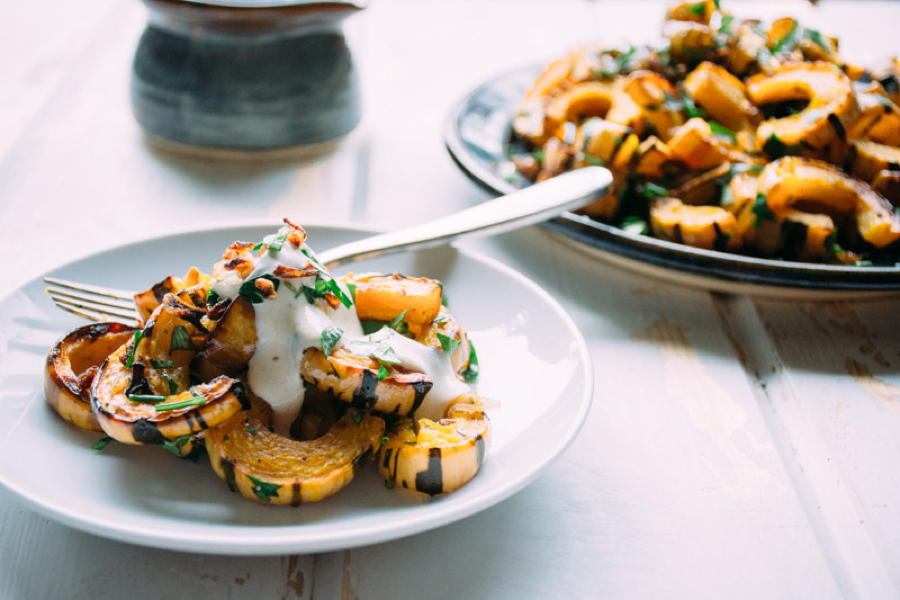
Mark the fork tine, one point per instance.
(95, 313)
(94, 289)
(90, 298)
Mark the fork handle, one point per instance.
(533, 204)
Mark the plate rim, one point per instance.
(725, 266)
(279, 539)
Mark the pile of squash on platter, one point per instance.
(732, 135)
(178, 380)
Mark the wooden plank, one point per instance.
(831, 384)
(42, 559)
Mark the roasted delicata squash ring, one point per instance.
(436, 457)
(230, 344)
(72, 365)
(142, 392)
(722, 94)
(793, 182)
(354, 379)
(709, 227)
(383, 297)
(274, 469)
(832, 104)
(194, 280)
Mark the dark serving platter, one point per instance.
(478, 137)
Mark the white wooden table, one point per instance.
(736, 448)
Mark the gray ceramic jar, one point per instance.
(239, 78)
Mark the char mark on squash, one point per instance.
(365, 395)
(147, 432)
(431, 480)
(421, 388)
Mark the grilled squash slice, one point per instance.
(870, 158)
(710, 227)
(142, 392)
(695, 145)
(384, 297)
(354, 379)
(274, 469)
(147, 301)
(71, 366)
(722, 95)
(832, 104)
(231, 343)
(803, 184)
(650, 90)
(436, 457)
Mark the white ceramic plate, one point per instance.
(534, 363)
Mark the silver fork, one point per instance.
(533, 204)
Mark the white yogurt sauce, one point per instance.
(287, 324)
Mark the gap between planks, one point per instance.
(753, 345)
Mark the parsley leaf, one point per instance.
(162, 364)
(775, 148)
(382, 372)
(722, 132)
(181, 339)
(264, 490)
(817, 38)
(698, 9)
(448, 343)
(212, 298)
(329, 338)
(102, 443)
(386, 355)
(398, 324)
(761, 210)
(173, 386)
(653, 190)
(470, 373)
(787, 42)
(175, 446)
(249, 290)
(725, 27)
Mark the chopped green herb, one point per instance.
(257, 247)
(195, 401)
(162, 364)
(389, 484)
(175, 446)
(538, 155)
(864, 263)
(250, 430)
(212, 298)
(443, 294)
(698, 9)
(775, 148)
(831, 244)
(787, 42)
(761, 210)
(384, 440)
(725, 26)
(386, 355)
(382, 373)
(102, 443)
(440, 319)
(357, 417)
(181, 339)
(329, 338)
(150, 398)
(470, 373)
(652, 190)
(173, 385)
(817, 38)
(264, 490)
(249, 290)
(635, 225)
(722, 132)
(276, 244)
(371, 325)
(398, 324)
(593, 160)
(351, 287)
(129, 361)
(294, 289)
(448, 343)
